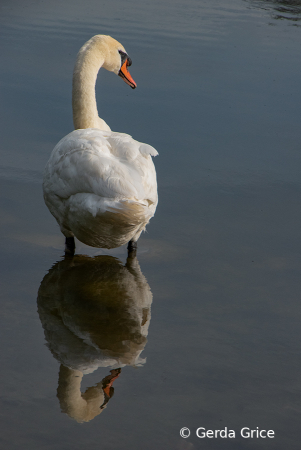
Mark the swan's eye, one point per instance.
(123, 56)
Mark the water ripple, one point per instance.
(21, 175)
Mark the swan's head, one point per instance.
(115, 57)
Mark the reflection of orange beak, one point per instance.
(111, 378)
(125, 74)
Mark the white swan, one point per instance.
(100, 185)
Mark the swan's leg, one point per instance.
(132, 248)
(69, 245)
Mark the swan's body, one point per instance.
(100, 185)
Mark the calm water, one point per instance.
(205, 325)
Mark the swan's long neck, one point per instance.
(81, 407)
(85, 114)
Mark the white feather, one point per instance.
(99, 185)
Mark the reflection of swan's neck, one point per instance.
(81, 407)
(85, 115)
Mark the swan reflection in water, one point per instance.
(95, 313)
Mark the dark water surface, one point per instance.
(210, 312)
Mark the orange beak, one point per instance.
(125, 74)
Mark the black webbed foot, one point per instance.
(69, 246)
(132, 248)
